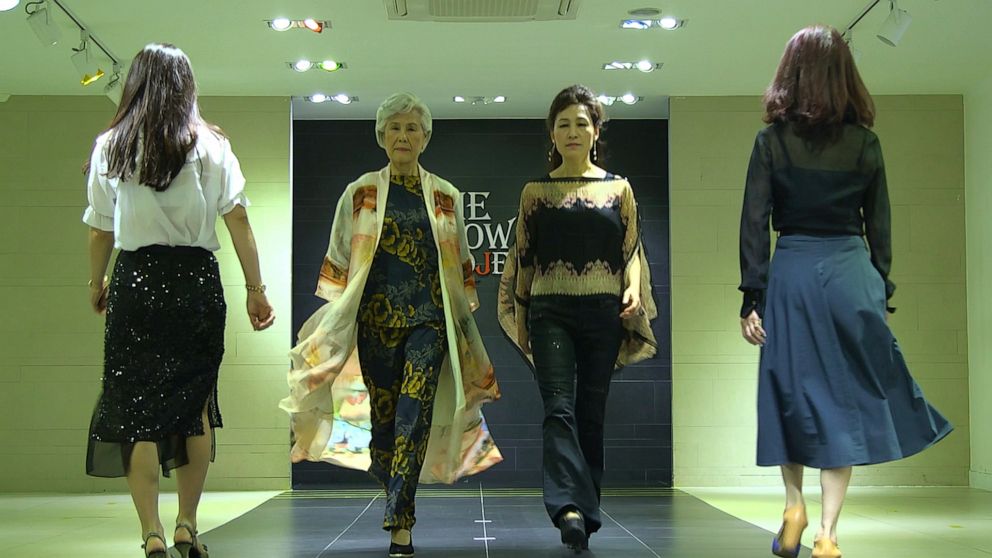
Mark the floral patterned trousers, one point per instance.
(400, 367)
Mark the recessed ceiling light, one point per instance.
(8, 5)
(343, 99)
(642, 65)
(669, 23)
(626, 98)
(303, 65)
(479, 99)
(317, 98)
(313, 25)
(310, 24)
(280, 24)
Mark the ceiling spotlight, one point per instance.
(114, 89)
(285, 24)
(280, 24)
(40, 19)
(642, 65)
(668, 22)
(894, 25)
(318, 98)
(479, 99)
(303, 65)
(343, 99)
(89, 70)
(313, 25)
(6, 5)
(645, 66)
(606, 99)
(629, 98)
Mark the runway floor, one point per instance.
(472, 520)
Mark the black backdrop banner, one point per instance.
(489, 161)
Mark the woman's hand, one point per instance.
(751, 329)
(260, 311)
(523, 336)
(98, 297)
(631, 302)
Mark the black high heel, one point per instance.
(190, 549)
(573, 531)
(157, 553)
(397, 550)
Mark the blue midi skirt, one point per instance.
(833, 387)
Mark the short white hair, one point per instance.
(399, 103)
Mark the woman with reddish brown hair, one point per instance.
(833, 387)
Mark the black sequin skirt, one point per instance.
(163, 345)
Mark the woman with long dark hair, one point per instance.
(158, 177)
(576, 294)
(833, 387)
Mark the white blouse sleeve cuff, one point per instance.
(240, 199)
(98, 221)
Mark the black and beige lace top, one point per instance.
(575, 236)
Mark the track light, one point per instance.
(88, 68)
(40, 20)
(894, 25)
(114, 88)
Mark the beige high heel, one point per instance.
(825, 548)
(786, 542)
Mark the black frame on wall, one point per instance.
(494, 159)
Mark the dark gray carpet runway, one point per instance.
(474, 521)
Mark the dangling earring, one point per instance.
(594, 151)
(551, 152)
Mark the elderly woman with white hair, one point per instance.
(398, 278)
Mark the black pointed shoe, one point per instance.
(401, 550)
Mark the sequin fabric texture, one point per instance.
(163, 345)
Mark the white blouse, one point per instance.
(210, 184)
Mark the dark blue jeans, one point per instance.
(575, 341)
